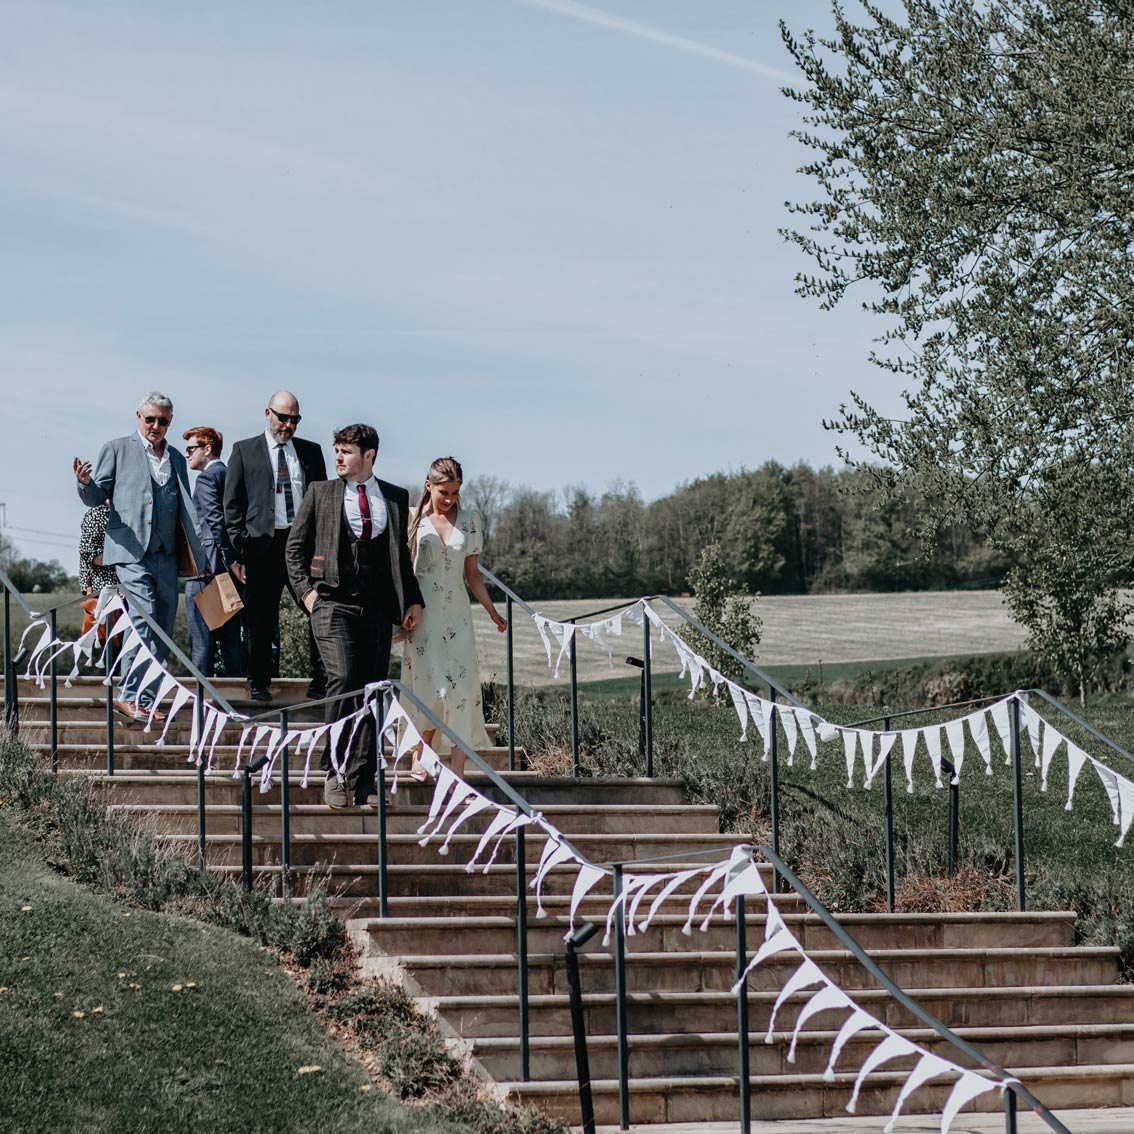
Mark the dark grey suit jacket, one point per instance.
(208, 499)
(250, 489)
(313, 547)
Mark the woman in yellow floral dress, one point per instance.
(439, 660)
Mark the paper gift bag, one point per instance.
(218, 602)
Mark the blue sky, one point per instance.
(537, 234)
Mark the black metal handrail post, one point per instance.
(573, 656)
(954, 822)
(522, 951)
(647, 695)
(579, 1026)
(11, 711)
(910, 1005)
(743, 1074)
(53, 673)
(285, 809)
(888, 800)
(774, 776)
(511, 687)
(1017, 801)
(246, 828)
(380, 784)
(1009, 1112)
(110, 656)
(199, 718)
(620, 1003)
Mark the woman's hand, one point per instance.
(500, 620)
(82, 470)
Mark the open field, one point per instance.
(799, 630)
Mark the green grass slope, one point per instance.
(115, 1019)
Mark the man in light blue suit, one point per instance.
(151, 527)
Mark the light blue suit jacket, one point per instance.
(122, 475)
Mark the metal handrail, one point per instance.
(1101, 736)
(752, 668)
(495, 581)
(931, 709)
(931, 1021)
(10, 587)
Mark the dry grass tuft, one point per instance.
(967, 890)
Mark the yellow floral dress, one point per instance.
(439, 658)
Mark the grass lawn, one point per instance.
(116, 1019)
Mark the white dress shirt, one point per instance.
(296, 471)
(377, 502)
(159, 466)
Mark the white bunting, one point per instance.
(1003, 724)
(805, 976)
(787, 719)
(474, 804)
(850, 748)
(673, 884)
(826, 999)
(1031, 720)
(741, 705)
(892, 1047)
(858, 1021)
(1052, 739)
(1125, 808)
(560, 853)
(586, 880)
(968, 1086)
(928, 1067)
(181, 697)
(955, 731)
(807, 731)
(1109, 782)
(978, 729)
(541, 626)
(497, 828)
(886, 742)
(630, 884)
(909, 748)
(1076, 758)
(932, 734)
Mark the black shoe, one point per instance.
(260, 694)
(316, 691)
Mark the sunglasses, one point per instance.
(162, 421)
(194, 448)
(287, 418)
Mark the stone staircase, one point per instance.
(1014, 985)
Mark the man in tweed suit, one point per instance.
(349, 563)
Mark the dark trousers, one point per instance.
(354, 639)
(265, 581)
(204, 643)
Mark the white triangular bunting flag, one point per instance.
(859, 1020)
(932, 734)
(978, 729)
(1110, 783)
(807, 731)
(892, 1047)
(955, 731)
(1032, 720)
(909, 747)
(850, 748)
(1052, 738)
(586, 880)
(741, 706)
(928, 1067)
(825, 1000)
(1125, 807)
(806, 975)
(789, 722)
(1000, 718)
(967, 1088)
(1076, 757)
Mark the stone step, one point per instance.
(715, 1053)
(139, 754)
(540, 791)
(404, 850)
(495, 974)
(661, 1011)
(181, 818)
(698, 1099)
(397, 936)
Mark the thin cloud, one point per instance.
(654, 35)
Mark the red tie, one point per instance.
(364, 511)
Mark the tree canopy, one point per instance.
(975, 162)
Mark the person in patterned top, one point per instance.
(93, 573)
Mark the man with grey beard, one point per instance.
(267, 477)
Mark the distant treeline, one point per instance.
(781, 530)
